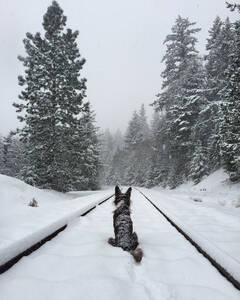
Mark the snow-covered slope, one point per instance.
(21, 225)
(216, 188)
(15, 192)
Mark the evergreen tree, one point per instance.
(138, 149)
(53, 105)
(138, 130)
(158, 167)
(219, 45)
(199, 164)
(1, 155)
(180, 51)
(213, 61)
(12, 156)
(230, 125)
(143, 125)
(118, 140)
(130, 161)
(133, 136)
(232, 7)
(180, 97)
(132, 140)
(106, 154)
(111, 154)
(88, 155)
(117, 169)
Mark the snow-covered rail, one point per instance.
(80, 263)
(83, 212)
(234, 281)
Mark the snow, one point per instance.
(215, 188)
(207, 213)
(80, 264)
(21, 226)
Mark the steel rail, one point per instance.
(10, 263)
(221, 269)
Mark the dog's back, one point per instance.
(123, 226)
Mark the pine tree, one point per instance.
(110, 145)
(138, 149)
(138, 130)
(106, 154)
(212, 58)
(12, 155)
(118, 140)
(158, 167)
(133, 137)
(181, 96)
(88, 155)
(118, 168)
(53, 104)
(1, 155)
(180, 51)
(143, 125)
(199, 163)
(230, 108)
(232, 7)
(219, 46)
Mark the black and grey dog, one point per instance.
(123, 226)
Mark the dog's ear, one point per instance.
(128, 192)
(117, 190)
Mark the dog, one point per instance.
(123, 226)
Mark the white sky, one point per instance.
(121, 40)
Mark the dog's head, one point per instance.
(119, 196)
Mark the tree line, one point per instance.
(195, 128)
(196, 125)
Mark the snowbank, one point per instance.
(21, 226)
(208, 213)
(216, 188)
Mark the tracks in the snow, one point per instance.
(7, 265)
(222, 270)
(36, 246)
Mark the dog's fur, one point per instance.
(123, 226)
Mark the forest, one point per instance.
(194, 129)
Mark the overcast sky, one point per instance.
(121, 40)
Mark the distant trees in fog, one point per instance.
(196, 127)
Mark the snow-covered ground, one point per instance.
(80, 264)
(208, 213)
(214, 189)
(21, 226)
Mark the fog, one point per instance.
(121, 40)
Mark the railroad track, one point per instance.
(7, 265)
(221, 269)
